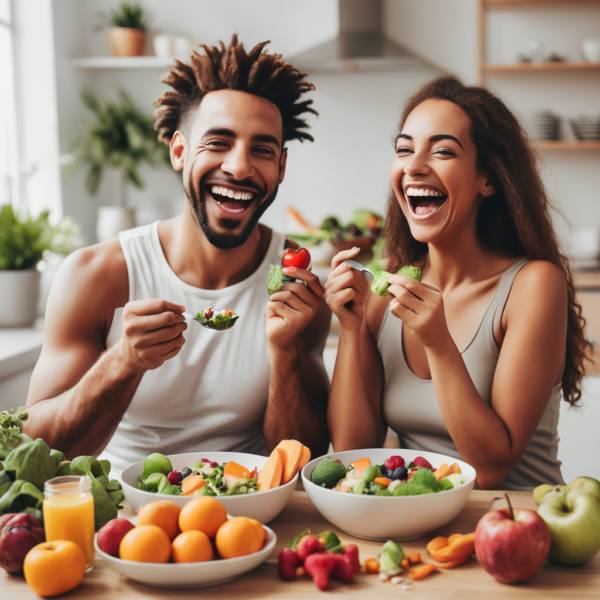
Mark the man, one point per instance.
(116, 371)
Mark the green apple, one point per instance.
(540, 491)
(574, 521)
(588, 485)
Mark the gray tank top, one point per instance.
(410, 404)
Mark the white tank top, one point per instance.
(213, 395)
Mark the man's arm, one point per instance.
(298, 322)
(79, 391)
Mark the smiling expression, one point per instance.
(434, 174)
(232, 165)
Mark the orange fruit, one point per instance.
(53, 568)
(192, 546)
(146, 543)
(164, 514)
(204, 514)
(237, 537)
(261, 531)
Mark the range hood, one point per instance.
(360, 45)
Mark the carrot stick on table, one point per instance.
(422, 571)
(455, 563)
(413, 557)
(436, 543)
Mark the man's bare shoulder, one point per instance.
(93, 279)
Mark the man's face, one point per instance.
(233, 163)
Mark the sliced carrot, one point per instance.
(422, 571)
(363, 463)
(300, 219)
(382, 481)
(464, 546)
(405, 563)
(272, 473)
(236, 470)
(436, 543)
(192, 483)
(413, 557)
(443, 471)
(292, 450)
(372, 565)
(455, 563)
(455, 468)
(304, 458)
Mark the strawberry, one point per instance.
(174, 477)
(393, 463)
(288, 563)
(351, 550)
(344, 568)
(308, 545)
(319, 567)
(421, 462)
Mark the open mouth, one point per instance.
(230, 200)
(424, 200)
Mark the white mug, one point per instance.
(590, 48)
(183, 46)
(163, 45)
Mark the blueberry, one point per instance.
(400, 473)
(185, 472)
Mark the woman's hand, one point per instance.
(421, 308)
(346, 290)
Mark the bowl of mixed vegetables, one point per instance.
(234, 478)
(382, 493)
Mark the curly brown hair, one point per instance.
(517, 222)
(230, 67)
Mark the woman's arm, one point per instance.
(354, 412)
(494, 438)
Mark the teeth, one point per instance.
(423, 192)
(219, 190)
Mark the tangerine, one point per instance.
(146, 543)
(204, 514)
(261, 531)
(192, 546)
(237, 537)
(163, 513)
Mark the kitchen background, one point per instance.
(57, 50)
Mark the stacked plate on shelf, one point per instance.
(586, 127)
(543, 125)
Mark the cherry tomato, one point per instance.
(296, 258)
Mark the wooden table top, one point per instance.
(464, 582)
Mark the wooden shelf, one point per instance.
(122, 62)
(544, 66)
(567, 145)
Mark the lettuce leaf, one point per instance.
(275, 280)
(31, 462)
(412, 272)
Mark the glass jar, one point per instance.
(69, 513)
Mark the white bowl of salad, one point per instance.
(236, 489)
(411, 496)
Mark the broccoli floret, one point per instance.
(446, 484)
(426, 477)
(328, 472)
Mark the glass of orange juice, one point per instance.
(69, 513)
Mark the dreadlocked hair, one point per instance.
(230, 67)
(515, 221)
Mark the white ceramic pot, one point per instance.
(163, 45)
(590, 48)
(19, 294)
(112, 220)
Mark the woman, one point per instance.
(469, 362)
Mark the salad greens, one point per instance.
(11, 423)
(217, 484)
(222, 319)
(32, 463)
(275, 280)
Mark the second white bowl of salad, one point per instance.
(244, 498)
(413, 495)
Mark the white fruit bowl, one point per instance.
(191, 575)
(384, 518)
(262, 506)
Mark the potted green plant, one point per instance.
(129, 23)
(24, 241)
(120, 137)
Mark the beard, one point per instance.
(229, 239)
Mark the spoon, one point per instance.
(356, 265)
(234, 318)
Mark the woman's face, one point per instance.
(434, 173)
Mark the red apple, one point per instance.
(296, 258)
(512, 545)
(111, 534)
(18, 536)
